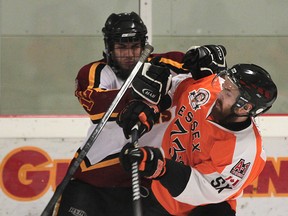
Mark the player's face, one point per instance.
(126, 54)
(225, 100)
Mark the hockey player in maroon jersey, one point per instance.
(212, 148)
(100, 186)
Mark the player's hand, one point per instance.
(205, 60)
(152, 83)
(138, 112)
(151, 162)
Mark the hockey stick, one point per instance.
(95, 133)
(135, 177)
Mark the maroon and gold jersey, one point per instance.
(96, 87)
(223, 162)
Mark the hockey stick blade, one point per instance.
(95, 133)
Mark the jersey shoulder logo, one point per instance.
(240, 168)
(198, 98)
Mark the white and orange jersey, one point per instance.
(223, 162)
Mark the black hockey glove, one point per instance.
(138, 112)
(205, 60)
(152, 83)
(151, 163)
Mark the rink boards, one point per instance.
(36, 150)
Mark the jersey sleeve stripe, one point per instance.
(111, 162)
(92, 75)
(100, 116)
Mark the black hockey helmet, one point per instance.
(123, 27)
(255, 86)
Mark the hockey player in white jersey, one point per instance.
(100, 186)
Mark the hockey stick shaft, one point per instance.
(137, 208)
(95, 133)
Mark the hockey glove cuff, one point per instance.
(138, 112)
(152, 83)
(151, 163)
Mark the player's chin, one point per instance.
(127, 70)
(130, 64)
(216, 111)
